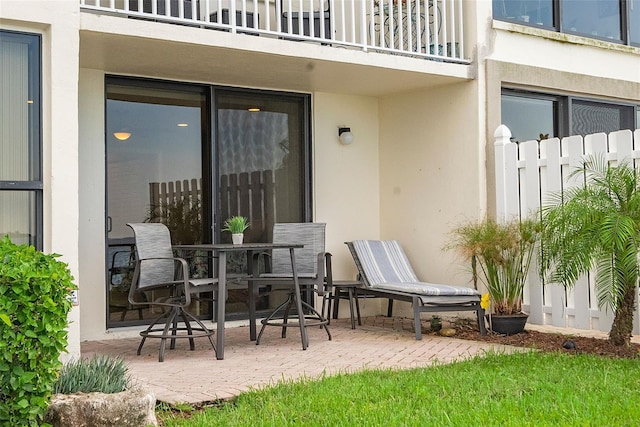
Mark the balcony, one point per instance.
(428, 29)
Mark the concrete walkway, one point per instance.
(197, 376)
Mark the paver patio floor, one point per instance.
(197, 376)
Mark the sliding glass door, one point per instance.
(262, 172)
(191, 156)
(155, 172)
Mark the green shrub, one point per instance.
(103, 374)
(34, 303)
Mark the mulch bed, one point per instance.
(548, 341)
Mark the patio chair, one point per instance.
(387, 273)
(160, 279)
(313, 267)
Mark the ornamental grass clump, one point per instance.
(101, 374)
(502, 252)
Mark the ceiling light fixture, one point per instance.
(122, 136)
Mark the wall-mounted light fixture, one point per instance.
(344, 135)
(122, 135)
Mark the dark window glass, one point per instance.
(531, 12)
(597, 18)
(528, 118)
(591, 117)
(20, 139)
(154, 174)
(538, 116)
(633, 6)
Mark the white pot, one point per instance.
(237, 238)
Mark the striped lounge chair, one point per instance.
(386, 273)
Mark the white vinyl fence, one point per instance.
(526, 174)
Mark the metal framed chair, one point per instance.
(386, 272)
(164, 281)
(313, 267)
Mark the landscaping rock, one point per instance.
(447, 332)
(130, 408)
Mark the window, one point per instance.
(538, 116)
(612, 20)
(20, 139)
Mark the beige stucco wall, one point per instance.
(430, 174)
(346, 179)
(57, 22)
(91, 154)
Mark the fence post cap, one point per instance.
(501, 134)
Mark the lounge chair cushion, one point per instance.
(387, 268)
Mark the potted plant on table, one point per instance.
(500, 255)
(236, 226)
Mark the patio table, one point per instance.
(221, 249)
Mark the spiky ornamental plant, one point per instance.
(500, 255)
(597, 226)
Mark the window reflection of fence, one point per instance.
(250, 194)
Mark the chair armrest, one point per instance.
(183, 280)
(256, 262)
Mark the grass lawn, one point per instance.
(527, 389)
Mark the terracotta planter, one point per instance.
(508, 324)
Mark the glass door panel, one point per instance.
(261, 171)
(154, 174)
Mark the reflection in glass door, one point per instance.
(262, 171)
(154, 162)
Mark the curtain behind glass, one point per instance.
(19, 130)
(589, 117)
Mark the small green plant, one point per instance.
(34, 303)
(436, 323)
(102, 374)
(236, 224)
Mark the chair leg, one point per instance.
(416, 319)
(145, 333)
(355, 295)
(285, 317)
(269, 318)
(163, 340)
(481, 327)
(187, 324)
(208, 332)
(353, 320)
(336, 303)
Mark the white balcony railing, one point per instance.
(431, 29)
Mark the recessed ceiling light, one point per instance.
(183, 125)
(254, 109)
